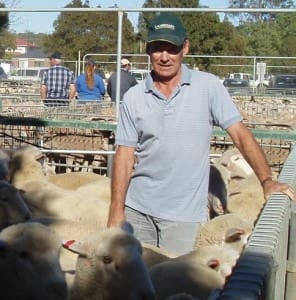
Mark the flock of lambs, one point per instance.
(54, 244)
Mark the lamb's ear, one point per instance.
(234, 234)
(77, 247)
(127, 227)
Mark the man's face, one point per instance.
(167, 58)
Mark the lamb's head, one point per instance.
(236, 164)
(26, 164)
(12, 206)
(29, 260)
(110, 266)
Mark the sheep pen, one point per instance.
(276, 156)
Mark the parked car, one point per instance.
(140, 74)
(235, 82)
(27, 74)
(284, 84)
(253, 83)
(236, 85)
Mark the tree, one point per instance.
(94, 32)
(7, 39)
(3, 18)
(251, 17)
(207, 35)
(262, 40)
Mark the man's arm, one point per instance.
(72, 91)
(254, 155)
(43, 91)
(122, 170)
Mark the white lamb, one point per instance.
(153, 255)
(110, 266)
(245, 194)
(12, 206)
(234, 161)
(228, 229)
(67, 229)
(74, 180)
(221, 258)
(28, 163)
(46, 199)
(246, 198)
(29, 263)
(173, 277)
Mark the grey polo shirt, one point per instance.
(172, 141)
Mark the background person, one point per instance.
(57, 83)
(89, 85)
(165, 125)
(127, 80)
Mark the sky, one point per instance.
(42, 22)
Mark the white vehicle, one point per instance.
(140, 74)
(249, 77)
(27, 74)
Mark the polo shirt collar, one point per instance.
(185, 78)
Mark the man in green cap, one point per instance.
(161, 167)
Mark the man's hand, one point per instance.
(272, 186)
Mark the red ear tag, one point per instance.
(68, 243)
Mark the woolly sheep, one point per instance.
(75, 180)
(67, 229)
(153, 255)
(27, 163)
(245, 194)
(12, 206)
(29, 263)
(200, 272)
(234, 161)
(225, 229)
(46, 199)
(246, 198)
(173, 277)
(110, 266)
(222, 258)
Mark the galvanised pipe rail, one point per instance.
(102, 125)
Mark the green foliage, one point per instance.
(84, 32)
(206, 33)
(5, 36)
(254, 17)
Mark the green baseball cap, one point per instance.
(166, 27)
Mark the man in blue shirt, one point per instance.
(161, 167)
(57, 83)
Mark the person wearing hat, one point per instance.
(127, 80)
(89, 85)
(57, 83)
(161, 167)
